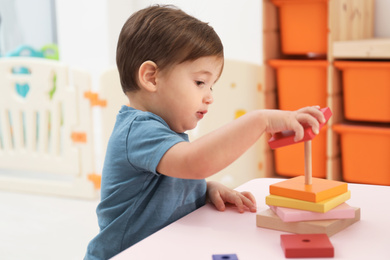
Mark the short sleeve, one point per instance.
(148, 140)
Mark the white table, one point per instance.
(207, 231)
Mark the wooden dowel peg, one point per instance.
(308, 164)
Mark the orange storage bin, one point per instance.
(365, 153)
(366, 87)
(303, 26)
(301, 82)
(290, 160)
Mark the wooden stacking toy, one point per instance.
(306, 205)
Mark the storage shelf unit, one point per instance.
(363, 72)
(348, 21)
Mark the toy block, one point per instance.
(319, 190)
(285, 138)
(94, 99)
(268, 219)
(79, 137)
(96, 179)
(322, 206)
(225, 257)
(343, 211)
(306, 245)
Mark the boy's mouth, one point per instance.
(200, 114)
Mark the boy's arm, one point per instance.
(216, 150)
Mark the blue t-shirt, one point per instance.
(136, 200)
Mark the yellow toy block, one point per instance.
(322, 206)
(319, 190)
(268, 219)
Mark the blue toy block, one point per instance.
(225, 257)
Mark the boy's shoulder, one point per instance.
(139, 115)
(137, 121)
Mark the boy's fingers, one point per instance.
(315, 112)
(218, 202)
(236, 199)
(249, 201)
(249, 196)
(310, 120)
(305, 119)
(298, 129)
(241, 201)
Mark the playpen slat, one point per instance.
(30, 122)
(2, 130)
(41, 133)
(17, 129)
(55, 130)
(6, 131)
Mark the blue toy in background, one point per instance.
(49, 51)
(25, 51)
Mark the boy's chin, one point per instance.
(191, 128)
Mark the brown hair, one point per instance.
(165, 35)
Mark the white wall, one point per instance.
(83, 37)
(19, 25)
(237, 23)
(88, 29)
(382, 19)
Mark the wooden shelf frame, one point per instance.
(375, 48)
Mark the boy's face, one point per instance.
(184, 93)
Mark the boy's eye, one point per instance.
(199, 83)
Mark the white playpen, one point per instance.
(46, 140)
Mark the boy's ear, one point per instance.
(147, 75)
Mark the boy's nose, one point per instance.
(208, 99)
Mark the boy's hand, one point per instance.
(279, 120)
(219, 194)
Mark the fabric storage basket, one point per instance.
(365, 153)
(303, 26)
(300, 82)
(366, 86)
